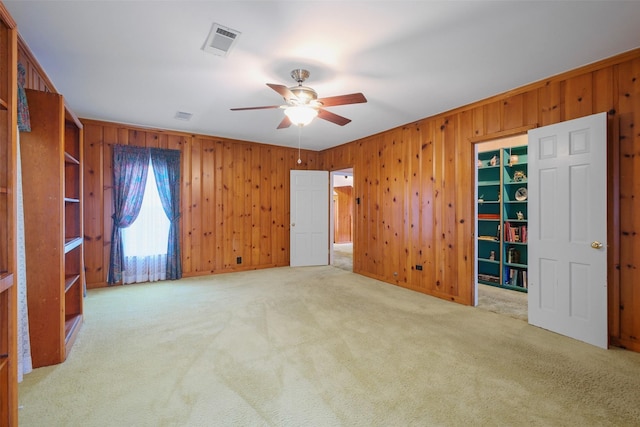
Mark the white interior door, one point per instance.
(309, 218)
(568, 228)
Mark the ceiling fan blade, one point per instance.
(285, 123)
(333, 118)
(283, 91)
(256, 108)
(352, 98)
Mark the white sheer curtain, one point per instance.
(145, 241)
(24, 344)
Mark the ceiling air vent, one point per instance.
(220, 40)
(181, 115)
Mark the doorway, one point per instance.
(342, 209)
(500, 277)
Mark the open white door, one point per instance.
(309, 218)
(568, 228)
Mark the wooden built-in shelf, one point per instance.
(69, 280)
(8, 163)
(52, 167)
(4, 363)
(68, 158)
(6, 281)
(70, 243)
(72, 324)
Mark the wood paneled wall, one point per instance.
(36, 78)
(416, 185)
(234, 196)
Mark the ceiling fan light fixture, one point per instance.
(301, 115)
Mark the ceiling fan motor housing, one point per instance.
(304, 94)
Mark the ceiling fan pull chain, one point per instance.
(299, 132)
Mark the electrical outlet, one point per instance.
(239, 260)
(418, 267)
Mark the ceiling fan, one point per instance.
(302, 103)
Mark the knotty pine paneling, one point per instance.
(578, 100)
(35, 77)
(628, 113)
(234, 199)
(416, 185)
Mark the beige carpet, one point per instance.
(343, 256)
(498, 300)
(503, 301)
(320, 346)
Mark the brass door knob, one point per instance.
(596, 245)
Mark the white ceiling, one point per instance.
(140, 62)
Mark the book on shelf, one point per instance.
(488, 278)
(516, 277)
(515, 233)
(488, 216)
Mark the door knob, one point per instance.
(293, 224)
(596, 245)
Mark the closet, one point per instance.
(501, 219)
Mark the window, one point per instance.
(145, 242)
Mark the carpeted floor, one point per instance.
(503, 301)
(498, 300)
(343, 256)
(320, 346)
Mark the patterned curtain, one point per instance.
(130, 166)
(166, 167)
(24, 120)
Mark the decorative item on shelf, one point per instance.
(513, 255)
(481, 198)
(520, 216)
(498, 195)
(519, 176)
(494, 161)
(521, 194)
(492, 255)
(513, 158)
(479, 163)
